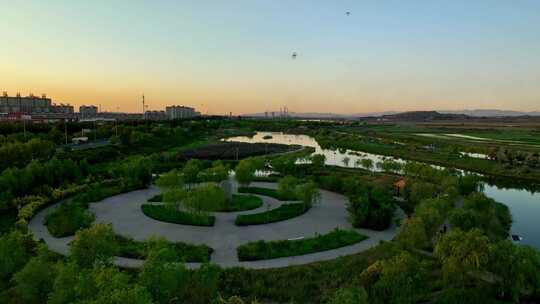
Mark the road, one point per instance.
(124, 213)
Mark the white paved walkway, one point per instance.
(124, 212)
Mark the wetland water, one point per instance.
(524, 205)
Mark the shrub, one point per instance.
(263, 250)
(209, 197)
(164, 214)
(245, 171)
(15, 250)
(67, 218)
(266, 192)
(156, 198)
(96, 244)
(352, 295)
(287, 186)
(283, 212)
(371, 207)
(130, 248)
(308, 193)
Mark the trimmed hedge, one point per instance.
(239, 203)
(263, 250)
(156, 198)
(130, 248)
(242, 203)
(283, 212)
(266, 192)
(164, 214)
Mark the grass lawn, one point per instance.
(164, 214)
(266, 192)
(283, 212)
(130, 248)
(263, 250)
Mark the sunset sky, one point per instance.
(235, 55)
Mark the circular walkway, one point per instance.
(124, 213)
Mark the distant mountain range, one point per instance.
(492, 113)
(473, 113)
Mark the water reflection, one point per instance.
(523, 202)
(341, 157)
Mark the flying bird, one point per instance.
(348, 13)
(294, 55)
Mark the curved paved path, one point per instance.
(124, 212)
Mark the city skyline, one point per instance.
(237, 56)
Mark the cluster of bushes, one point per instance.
(67, 218)
(283, 212)
(195, 171)
(16, 154)
(39, 177)
(478, 211)
(73, 215)
(443, 157)
(371, 206)
(130, 248)
(175, 216)
(263, 250)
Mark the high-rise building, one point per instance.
(40, 108)
(155, 115)
(88, 111)
(181, 112)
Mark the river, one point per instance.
(524, 205)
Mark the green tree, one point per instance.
(417, 191)
(389, 165)
(352, 295)
(367, 164)
(207, 197)
(516, 268)
(172, 179)
(191, 170)
(287, 187)
(100, 284)
(371, 207)
(217, 173)
(285, 164)
(412, 234)
(163, 276)
(402, 280)
(245, 172)
(15, 251)
(462, 254)
(35, 281)
(204, 285)
(96, 244)
(318, 161)
(469, 183)
(308, 193)
(174, 198)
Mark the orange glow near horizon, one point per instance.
(235, 56)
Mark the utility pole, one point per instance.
(65, 131)
(24, 127)
(143, 106)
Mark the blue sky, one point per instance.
(235, 56)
